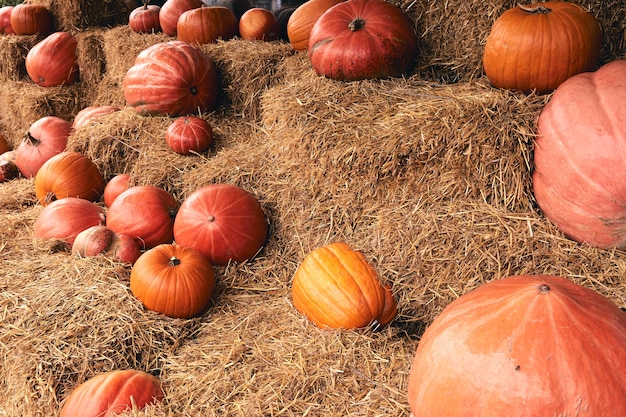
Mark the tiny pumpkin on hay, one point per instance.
(336, 287)
(52, 62)
(189, 134)
(538, 46)
(173, 280)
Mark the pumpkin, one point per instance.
(522, 346)
(99, 239)
(302, 19)
(362, 39)
(207, 24)
(336, 287)
(145, 19)
(8, 169)
(171, 78)
(144, 212)
(173, 280)
(52, 62)
(4, 144)
(68, 174)
(222, 221)
(189, 134)
(259, 24)
(45, 138)
(64, 219)
(111, 393)
(5, 20)
(31, 19)
(579, 157)
(91, 113)
(537, 47)
(114, 187)
(170, 13)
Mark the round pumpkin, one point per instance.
(362, 39)
(222, 221)
(8, 169)
(336, 287)
(90, 113)
(116, 186)
(259, 24)
(99, 239)
(64, 219)
(536, 47)
(31, 19)
(52, 62)
(145, 19)
(5, 20)
(189, 134)
(170, 13)
(110, 393)
(173, 280)
(68, 174)
(302, 19)
(207, 24)
(45, 138)
(522, 346)
(579, 157)
(144, 212)
(172, 78)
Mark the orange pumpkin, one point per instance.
(170, 13)
(334, 286)
(522, 346)
(64, 219)
(31, 19)
(52, 62)
(145, 19)
(90, 113)
(207, 24)
(5, 20)
(116, 186)
(173, 280)
(189, 134)
(302, 19)
(259, 24)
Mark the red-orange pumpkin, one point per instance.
(336, 287)
(52, 62)
(173, 280)
(172, 78)
(90, 113)
(522, 346)
(99, 239)
(145, 19)
(68, 174)
(144, 212)
(538, 46)
(170, 13)
(110, 393)
(259, 24)
(5, 20)
(31, 19)
(65, 218)
(222, 221)
(45, 138)
(207, 24)
(579, 177)
(362, 39)
(302, 19)
(116, 186)
(189, 134)
(8, 169)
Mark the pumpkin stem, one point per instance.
(31, 139)
(356, 24)
(544, 288)
(210, 218)
(534, 9)
(49, 198)
(174, 261)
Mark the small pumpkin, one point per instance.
(207, 24)
(170, 13)
(68, 174)
(505, 348)
(172, 78)
(145, 18)
(99, 239)
(64, 219)
(189, 134)
(90, 113)
(336, 287)
(302, 19)
(536, 47)
(110, 393)
(8, 169)
(114, 187)
(52, 62)
(362, 39)
(5, 20)
(259, 24)
(222, 221)
(45, 138)
(31, 19)
(173, 280)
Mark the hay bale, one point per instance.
(13, 51)
(70, 15)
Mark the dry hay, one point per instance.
(13, 51)
(70, 15)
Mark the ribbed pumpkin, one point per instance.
(68, 174)
(522, 346)
(145, 18)
(207, 24)
(538, 46)
(172, 78)
(189, 134)
(64, 219)
(336, 287)
(110, 393)
(579, 177)
(173, 280)
(52, 62)
(302, 19)
(31, 19)
(170, 13)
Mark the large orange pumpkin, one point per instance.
(522, 346)
(302, 19)
(31, 19)
(110, 393)
(173, 280)
(172, 78)
(207, 24)
(52, 62)
(336, 287)
(64, 219)
(538, 46)
(579, 177)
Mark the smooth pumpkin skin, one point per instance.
(259, 24)
(336, 287)
(5, 20)
(116, 186)
(31, 19)
(52, 62)
(110, 393)
(579, 177)
(303, 18)
(64, 219)
(514, 348)
(173, 280)
(207, 24)
(99, 239)
(529, 51)
(170, 13)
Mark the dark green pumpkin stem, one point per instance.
(532, 9)
(356, 24)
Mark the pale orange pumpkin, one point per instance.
(302, 19)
